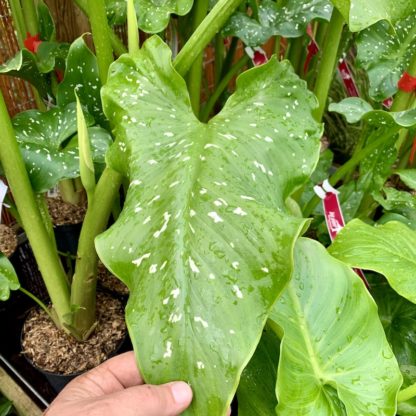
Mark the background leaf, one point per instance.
(8, 278)
(289, 18)
(256, 392)
(388, 249)
(82, 75)
(153, 15)
(335, 359)
(361, 14)
(204, 231)
(398, 317)
(385, 54)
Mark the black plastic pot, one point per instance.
(67, 237)
(26, 268)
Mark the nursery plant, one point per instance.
(220, 239)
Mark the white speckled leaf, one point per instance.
(385, 54)
(42, 138)
(81, 75)
(153, 15)
(289, 19)
(204, 241)
(361, 14)
(389, 249)
(8, 278)
(24, 65)
(334, 357)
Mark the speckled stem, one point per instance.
(203, 35)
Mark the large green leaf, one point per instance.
(361, 14)
(24, 65)
(385, 54)
(389, 249)
(8, 278)
(335, 359)
(398, 317)
(204, 233)
(289, 19)
(49, 150)
(256, 392)
(81, 75)
(153, 15)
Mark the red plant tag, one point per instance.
(257, 55)
(407, 82)
(388, 102)
(333, 215)
(312, 48)
(32, 42)
(347, 78)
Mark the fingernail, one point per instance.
(181, 392)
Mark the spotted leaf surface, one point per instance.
(204, 242)
(334, 357)
(153, 15)
(8, 278)
(289, 19)
(361, 14)
(48, 147)
(388, 249)
(385, 54)
(355, 109)
(256, 391)
(116, 11)
(81, 75)
(24, 65)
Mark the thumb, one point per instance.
(147, 400)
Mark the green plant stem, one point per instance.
(39, 302)
(407, 393)
(205, 32)
(350, 165)
(255, 8)
(116, 43)
(296, 53)
(68, 192)
(30, 15)
(84, 281)
(229, 59)
(132, 29)
(219, 57)
(277, 47)
(206, 111)
(101, 36)
(46, 256)
(328, 61)
(195, 73)
(18, 20)
(46, 218)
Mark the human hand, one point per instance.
(116, 388)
